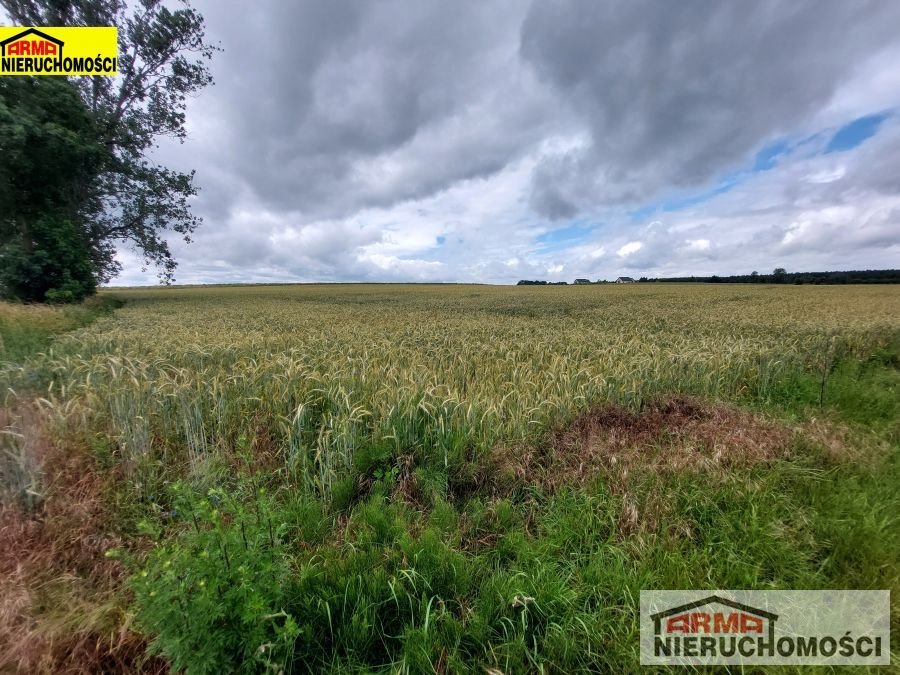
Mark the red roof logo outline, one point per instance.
(31, 31)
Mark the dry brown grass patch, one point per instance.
(62, 607)
(838, 444)
(668, 435)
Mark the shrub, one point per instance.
(213, 596)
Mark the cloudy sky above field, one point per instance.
(495, 140)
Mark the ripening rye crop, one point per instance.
(313, 372)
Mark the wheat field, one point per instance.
(190, 372)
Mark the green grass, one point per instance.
(404, 589)
(27, 329)
(860, 391)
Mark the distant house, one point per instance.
(624, 280)
(582, 281)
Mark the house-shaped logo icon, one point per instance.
(710, 617)
(31, 42)
(696, 617)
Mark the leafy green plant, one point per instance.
(212, 593)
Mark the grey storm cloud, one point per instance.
(335, 106)
(676, 92)
(433, 140)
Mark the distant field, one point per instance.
(435, 478)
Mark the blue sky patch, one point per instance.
(683, 201)
(563, 237)
(766, 158)
(853, 134)
(847, 137)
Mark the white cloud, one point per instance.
(629, 248)
(827, 175)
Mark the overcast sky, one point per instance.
(491, 141)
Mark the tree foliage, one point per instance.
(782, 276)
(125, 197)
(46, 140)
(56, 269)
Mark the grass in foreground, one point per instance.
(518, 575)
(27, 329)
(460, 479)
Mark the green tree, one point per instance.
(163, 57)
(50, 158)
(56, 267)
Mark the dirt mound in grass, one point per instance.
(668, 435)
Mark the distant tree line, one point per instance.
(782, 276)
(778, 276)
